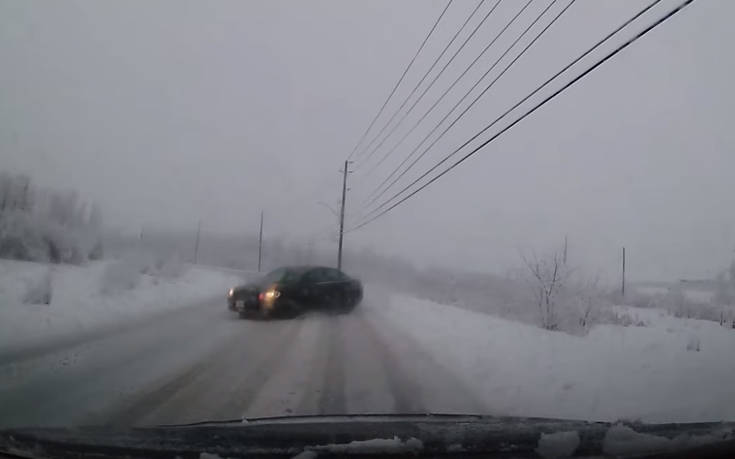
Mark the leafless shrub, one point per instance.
(39, 290)
(693, 344)
(46, 225)
(547, 278)
(120, 275)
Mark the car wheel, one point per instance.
(344, 304)
(355, 299)
(349, 306)
(266, 313)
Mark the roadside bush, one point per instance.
(45, 225)
(126, 272)
(693, 344)
(120, 275)
(21, 238)
(39, 290)
(170, 268)
(97, 251)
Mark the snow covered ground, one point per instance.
(393, 347)
(668, 370)
(84, 298)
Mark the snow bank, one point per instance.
(392, 446)
(558, 444)
(83, 298)
(650, 373)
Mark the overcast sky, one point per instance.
(165, 112)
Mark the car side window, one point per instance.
(274, 276)
(289, 276)
(324, 275)
(332, 275)
(313, 276)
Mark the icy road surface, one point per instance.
(203, 363)
(393, 354)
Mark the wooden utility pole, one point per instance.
(260, 242)
(622, 289)
(342, 216)
(565, 249)
(196, 242)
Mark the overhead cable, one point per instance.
(543, 102)
(415, 88)
(377, 193)
(403, 75)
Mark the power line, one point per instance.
(534, 108)
(431, 84)
(535, 91)
(403, 75)
(413, 91)
(474, 101)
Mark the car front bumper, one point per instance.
(241, 303)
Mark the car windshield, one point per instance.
(218, 210)
(276, 276)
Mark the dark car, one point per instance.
(291, 290)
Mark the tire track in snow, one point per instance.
(60, 344)
(406, 393)
(206, 388)
(419, 382)
(243, 392)
(70, 386)
(332, 400)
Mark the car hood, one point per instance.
(415, 435)
(250, 287)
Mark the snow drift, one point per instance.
(41, 302)
(667, 369)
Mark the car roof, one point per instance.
(304, 268)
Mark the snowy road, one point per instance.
(394, 353)
(204, 364)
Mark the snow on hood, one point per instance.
(374, 446)
(622, 440)
(558, 444)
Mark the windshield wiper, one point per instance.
(344, 417)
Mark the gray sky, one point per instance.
(168, 111)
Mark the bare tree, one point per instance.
(5, 186)
(95, 217)
(587, 299)
(15, 192)
(548, 276)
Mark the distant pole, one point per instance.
(565, 249)
(342, 216)
(623, 284)
(260, 241)
(196, 242)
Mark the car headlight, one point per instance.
(231, 292)
(268, 298)
(272, 294)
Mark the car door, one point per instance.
(336, 286)
(351, 288)
(312, 290)
(290, 286)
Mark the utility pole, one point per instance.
(342, 216)
(196, 243)
(260, 241)
(565, 249)
(622, 290)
